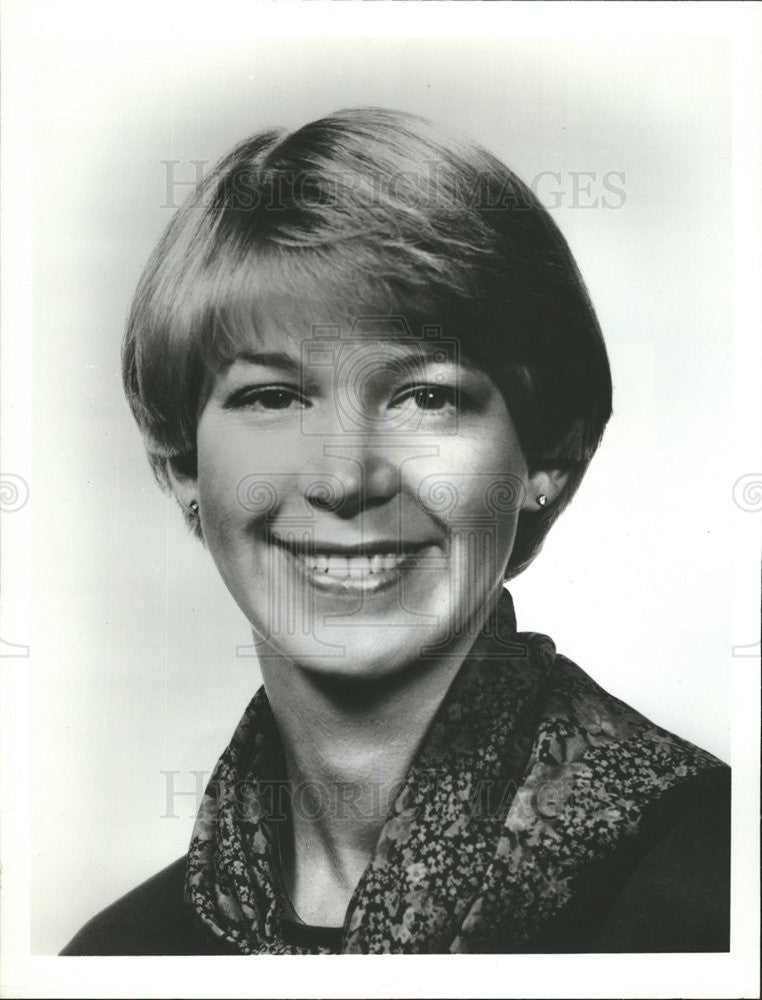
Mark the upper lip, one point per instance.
(380, 546)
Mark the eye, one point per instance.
(266, 398)
(429, 397)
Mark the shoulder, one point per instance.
(604, 726)
(657, 810)
(151, 919)
(667, 890)
(677, 895)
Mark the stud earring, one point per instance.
(542, 500)
(193, 505)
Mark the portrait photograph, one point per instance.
(380, 499)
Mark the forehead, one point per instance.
(300, 301)
(307, 334)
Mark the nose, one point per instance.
(353, 473)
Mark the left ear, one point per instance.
(547, 484)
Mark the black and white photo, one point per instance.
(388, 523)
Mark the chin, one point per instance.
(358, 624)
(364, 647)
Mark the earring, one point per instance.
(542, 500)
(193, 505)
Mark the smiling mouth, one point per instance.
(372, 566)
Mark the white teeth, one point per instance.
(342, 567)
(320, 564)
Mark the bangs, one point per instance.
(326, 290)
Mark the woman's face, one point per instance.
(359, 495)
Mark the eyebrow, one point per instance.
(280, 359)
(269, 359)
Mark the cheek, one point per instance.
(478, 493)
(220, 470)
(241, 474)
(480, 475)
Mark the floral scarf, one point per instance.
(530, 774)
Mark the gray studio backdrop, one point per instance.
(137, 683)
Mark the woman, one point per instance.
(364, 362)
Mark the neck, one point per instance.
(348, 745)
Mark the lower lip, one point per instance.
(361, 583)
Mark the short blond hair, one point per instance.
(387, 214)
